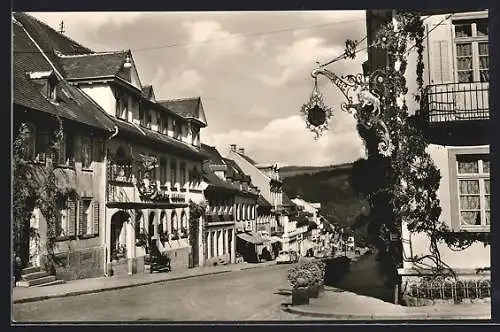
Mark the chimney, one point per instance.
(233, 147)
(241, 150)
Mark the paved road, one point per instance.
(243, 295)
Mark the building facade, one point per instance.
(456, 110)
(45, 101)
(152, 158)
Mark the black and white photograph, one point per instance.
(250, 166)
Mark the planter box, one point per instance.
(300, 296)
(314, 291)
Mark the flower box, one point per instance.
(300, 296)
(313, 291)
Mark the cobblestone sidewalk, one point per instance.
(338, 304)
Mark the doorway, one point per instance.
(118, 235)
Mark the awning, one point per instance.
(275, 239)
(251, 237)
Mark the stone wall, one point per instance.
(80, 264)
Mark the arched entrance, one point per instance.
(151, 229)
(118, 235)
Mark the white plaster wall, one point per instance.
(102, 95)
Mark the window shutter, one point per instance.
(71, 218)
(440, 46)
(82, 223)
(95, 217)
(454, 201)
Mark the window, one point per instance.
(183, 174)
(42, 145)
(142, 115)
(473, 174)
(177, 129)
(163, 171)
(30, 141)
(149, 119)
(173, 172)
(66, 218)
(121, 105)
(51, 88)
(86, 151)
(472, 50)
(195, 135)
(88, 219)
(65, 154)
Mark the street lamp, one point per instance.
(364, 103)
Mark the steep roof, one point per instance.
(49, 39)
(186, 107)
(261, 201)
(247, 158)
(214, 181)
(215, 156)
(93, 65)
(71, 103)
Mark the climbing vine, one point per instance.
(34, 186)
(403, 186)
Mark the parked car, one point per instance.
(284, 257)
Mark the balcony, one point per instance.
(457, 102)
(120, 173)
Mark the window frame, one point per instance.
(454, 155)
(89, 140)
(474, 40)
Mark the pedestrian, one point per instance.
(17, 268)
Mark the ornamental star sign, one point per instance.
(315, 113)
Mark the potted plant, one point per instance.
(164, 237)
(184, 232)
(298, 279)
(175, 235)
(315, 275)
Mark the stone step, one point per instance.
(35, 282)
(55, 282)
(32, 269)
(34, 275)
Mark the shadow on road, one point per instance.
(364, 278)
(284, 292)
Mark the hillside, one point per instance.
(330, 187)
(288, 171)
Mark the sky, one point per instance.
(251, 70)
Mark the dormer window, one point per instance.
(51, 88)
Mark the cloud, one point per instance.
(287, 141)
(178, 83)
(204, 30)
(298, 57)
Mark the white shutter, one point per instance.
(440, 46)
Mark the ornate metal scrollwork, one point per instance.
(362, 102)
(316, 114)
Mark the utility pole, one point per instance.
(61, 27)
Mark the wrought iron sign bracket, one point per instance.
(361, 101)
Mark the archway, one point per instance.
(174, 225)
(184, 223)
(118, 235)
(151, 229)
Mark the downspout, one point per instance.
(106, 248)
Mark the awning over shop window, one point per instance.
(251, 237)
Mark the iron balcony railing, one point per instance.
(451, 102)
(120, 173)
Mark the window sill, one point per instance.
(477, 229)
(87, 170)
(87, 236)
(64, 238)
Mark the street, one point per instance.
(243, 295)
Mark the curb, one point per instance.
(118, 287)
(100, 290)
(405, 316)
